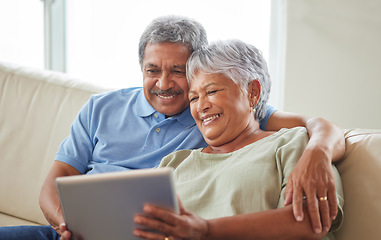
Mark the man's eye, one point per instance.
(179, 73)
(152, 71)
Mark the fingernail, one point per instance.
(136, 233)
(147, 208)
(317, 230)
(299, 218)
(137, 220)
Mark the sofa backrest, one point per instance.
(37, 108)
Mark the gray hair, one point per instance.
(174, 29)
(240, 62)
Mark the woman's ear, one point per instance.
(254, 92)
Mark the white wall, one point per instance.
(333, 61)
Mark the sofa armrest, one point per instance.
(360, 170)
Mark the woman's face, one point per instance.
(220, 108)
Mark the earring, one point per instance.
(253, 110)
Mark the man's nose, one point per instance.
(165, 82)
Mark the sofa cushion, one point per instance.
(37, 109)
(6, 220)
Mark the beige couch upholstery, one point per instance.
(36, 111)
(37, 108)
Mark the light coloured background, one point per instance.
(333, 61)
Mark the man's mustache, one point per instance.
(166, 92)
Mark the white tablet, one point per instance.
(102, 206)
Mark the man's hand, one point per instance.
(49, 200)
(65, 234)
(313, 179)
(170, 225)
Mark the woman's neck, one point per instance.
(249, 135)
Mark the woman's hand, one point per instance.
(313, 179)
(169, 224)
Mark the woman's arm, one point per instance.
(49, 200)
(312, 177)
(271, 224)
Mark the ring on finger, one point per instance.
(323, 198)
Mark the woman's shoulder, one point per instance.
(174, 159)
(292, 133)
(283, 135)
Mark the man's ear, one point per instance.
(254, 92)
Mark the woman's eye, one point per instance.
(213, 91)
(193, 99)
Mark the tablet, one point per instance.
(102, 206)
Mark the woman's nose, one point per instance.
(203, 104)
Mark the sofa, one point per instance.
(38, 106)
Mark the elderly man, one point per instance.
(135, 128)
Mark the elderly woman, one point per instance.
(234, 188)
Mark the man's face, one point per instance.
(164, 78)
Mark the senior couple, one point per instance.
(252, 173)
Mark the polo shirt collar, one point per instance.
(142, 107)
(185, 117)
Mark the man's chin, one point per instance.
(170, 111)
(169, 107)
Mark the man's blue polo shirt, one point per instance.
(119, 130)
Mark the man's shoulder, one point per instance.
(115, 99)
(118, 92)
(125, 93)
